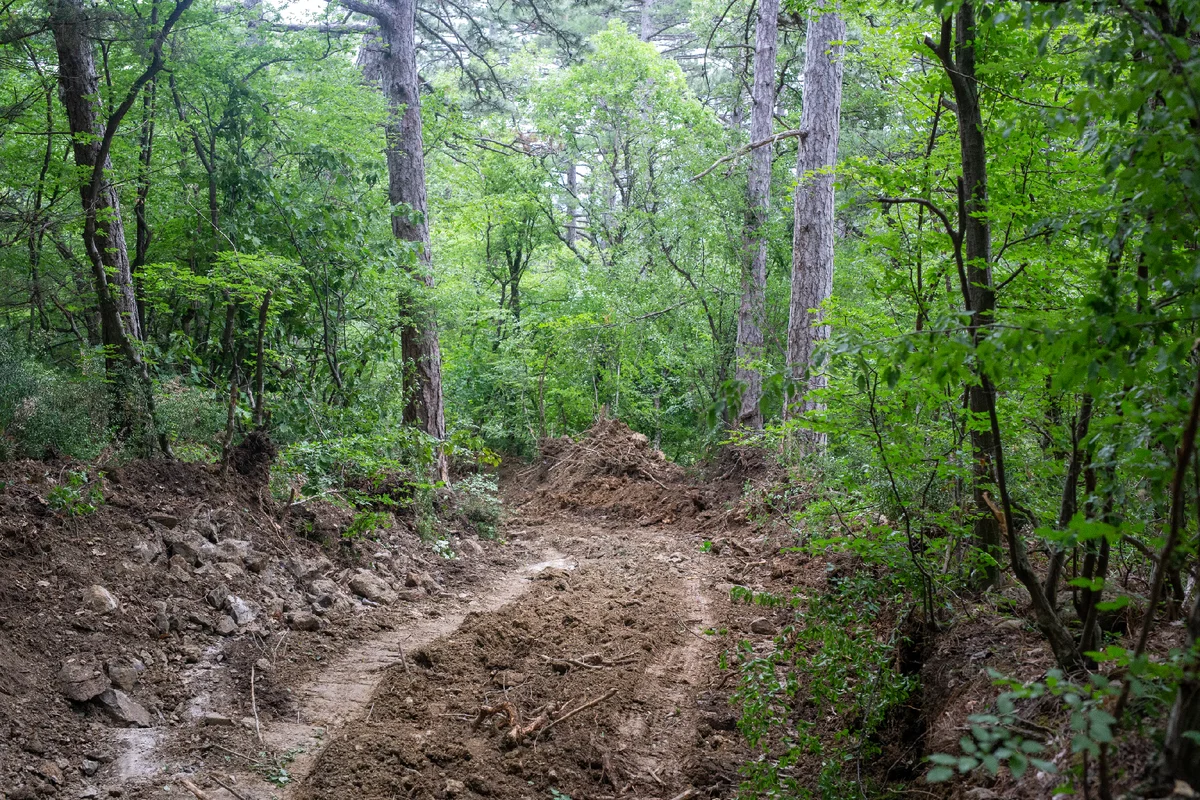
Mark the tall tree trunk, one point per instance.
(646, 32)
(812, 242)
(145, 158)
(103, 231)
(397, 63)
(977, 244)
(752, 312)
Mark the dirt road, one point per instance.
(610, 614)
(577, 657)
(620, 619)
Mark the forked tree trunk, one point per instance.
(104, 233)
(812, 242)
(397, 64)
(752, 312)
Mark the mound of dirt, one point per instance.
(615, 471)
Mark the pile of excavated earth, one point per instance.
(612, 471)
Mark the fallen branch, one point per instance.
(229, 788)
(194, 789)
(591, 661)
(254, 706)
(583, 707)
(519, 732)
(685, 794)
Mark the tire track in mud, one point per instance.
(340, 695)
(336, 696)
(628, 621)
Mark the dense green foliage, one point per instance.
(581, 264)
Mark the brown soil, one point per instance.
(612, 471)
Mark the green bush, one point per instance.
(47, 411)
(194, 420)
(479, 502)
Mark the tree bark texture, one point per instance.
(812, 238)
(104, 233)
(396, 60)
(646, 28)
(752, 312)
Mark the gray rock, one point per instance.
(424, 580)
(217, 596)
(306, 570)
(88, 792)
(302, 621)
(124, 709)
(193, 548)
(216, 720)
(166, 520)
(50, 771)
(262, 665)
(763, 627)
(230, 569)
(89, 767)
(81, 682)
(322, 586)
(454, 788)
(370, 586)
(99, 600)
(242, 611)
(226, 626)
(123, 674)
(148, 551)
(234, 550)
(255, 562)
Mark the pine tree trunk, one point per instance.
(406, 190)
(646, 31)
(812, 242)
(752, 312)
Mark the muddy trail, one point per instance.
(577, 655)
(595, 681)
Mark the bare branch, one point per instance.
(753, 146)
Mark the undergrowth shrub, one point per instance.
(194, 420)
(838, 661)
(46, 411)
(76, 494)
(479, 503)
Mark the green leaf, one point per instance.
(939, 774)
